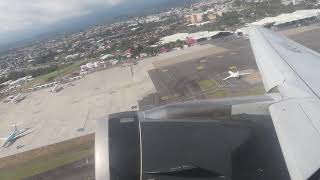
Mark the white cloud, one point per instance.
(22, 15)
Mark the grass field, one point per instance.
(222, 93)
(55, 74)
(206, 84)
(62, 156)
(250, 92)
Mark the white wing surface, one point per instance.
(291, 69)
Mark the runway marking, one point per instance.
(220, 57)
(233, 53)
(203, 61)
(233, 67)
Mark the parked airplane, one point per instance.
(235, 75)
(14, 135)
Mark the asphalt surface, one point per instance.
(180, 82)
(309, 39)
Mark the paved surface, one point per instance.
(310, 39)
(182, 81)
(185, 56)
(56, 117)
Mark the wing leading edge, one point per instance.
(290, 68)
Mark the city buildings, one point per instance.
(194, 18)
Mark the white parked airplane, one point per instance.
(235, 75)
(14, 135)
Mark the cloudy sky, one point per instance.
(22, 16)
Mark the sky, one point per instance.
(21, 17)
(24, 20)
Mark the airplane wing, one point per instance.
(243, 74)
(22, 133)
(290, 69)
(227, 78)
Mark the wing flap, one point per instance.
(297, 123)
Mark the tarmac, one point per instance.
(72, 112)
(199, 78)
(55, 117)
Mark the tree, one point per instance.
(14, 75)
(3, 79)
(179, 43)
(237, 3)
(136, 51)
(229, 19)
(42, 71)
